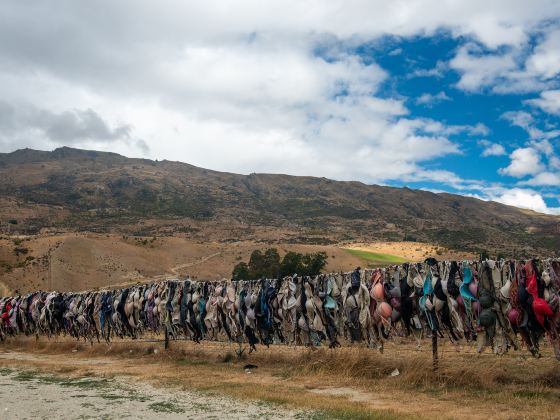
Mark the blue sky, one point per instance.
(421, 73)
(457, 96)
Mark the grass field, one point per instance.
(349, 382)
(375, 259)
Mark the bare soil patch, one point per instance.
(29, 394)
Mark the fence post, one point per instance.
(434, 351)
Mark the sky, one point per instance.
(442, 95)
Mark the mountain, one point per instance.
(80, 190)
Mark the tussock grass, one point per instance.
(287, 376)
(460, 369)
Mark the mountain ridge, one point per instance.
(75, 189)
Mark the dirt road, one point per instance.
(28, 394)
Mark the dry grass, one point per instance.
(83, 261)
(349, 382)
(80, 261)
(411, 251)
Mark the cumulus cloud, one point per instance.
(438, 71)
(524, 161)
(74, 127)
(491, 149)
(430, 100)
(545, 60)
(247, 86)
(542, 145)
(251, 82)
(478, 69)
(538, 158)
(524, 120)
(549, 101)
(544, 179)
(524, 198)
(77, 125)
(518, 197)
(554, 162)
(519, 118)
(517, 68)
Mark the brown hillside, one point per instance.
(77, 190)
(79, 261)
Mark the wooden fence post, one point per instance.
(434, 350)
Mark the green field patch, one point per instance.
(375, 259)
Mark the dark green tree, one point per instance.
(291, 264)
(268, 265)
(271, 264)
(484, 255)
(256, 264)
(317, 262)
(241, 272)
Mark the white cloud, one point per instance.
(524, 161)
(429, 100)
(519, 118)
(527, 122)
(544, 146)
(549, 101)
(432, 126)
(523, 198)
(437, 72)
(515, 69)
(480, 70)
(239, 85)
(518, 197)
(554, 162)
(536, 157)
(545, 60)
(479, 129)
(491, 149)
(275, 112)
(544, 179)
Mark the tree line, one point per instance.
(270, 265)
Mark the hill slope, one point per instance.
(72, 189)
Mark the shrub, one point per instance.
(20, 250)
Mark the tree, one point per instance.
(271, 264)
(304, 265)
(291, 264)
(268, 265)
(317, 262)
(484, 255)
(256, 264)
(241, 272)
